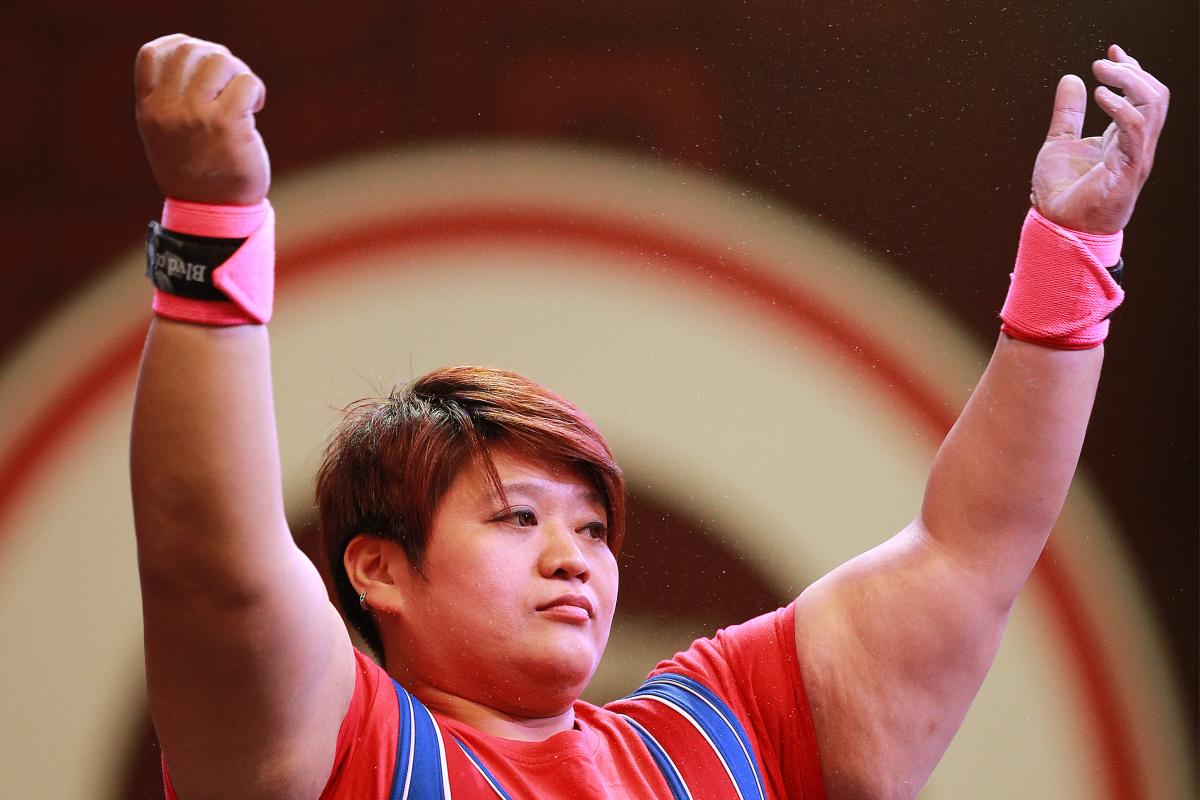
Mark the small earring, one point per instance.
(362, 601)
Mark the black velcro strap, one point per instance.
(182, 264)
(1117, 272)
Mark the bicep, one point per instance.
(893, 647)
(247, 690)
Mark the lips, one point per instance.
(570, 600)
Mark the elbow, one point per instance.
(986, 568)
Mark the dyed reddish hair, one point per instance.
(391, 460)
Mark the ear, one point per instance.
(380, 568)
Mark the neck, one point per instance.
(492, 721)
(512, 724)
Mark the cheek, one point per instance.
(608, 583)
(478, 577)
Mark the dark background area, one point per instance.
(911, 128)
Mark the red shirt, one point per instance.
(751, 666)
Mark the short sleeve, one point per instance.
(753, 668)
(366, 745)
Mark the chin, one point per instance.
(555, 680)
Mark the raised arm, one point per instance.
(894, 645)
(248, 665)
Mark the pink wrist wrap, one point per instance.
(247, 277)
(1061, 292)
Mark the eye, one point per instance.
(597, 530)
(522, 517)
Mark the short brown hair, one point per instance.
(391, 460)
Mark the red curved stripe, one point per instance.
(742, 281)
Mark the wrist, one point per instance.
(1062, 290)
(213, 264)
(1105, 247)
(212, 219)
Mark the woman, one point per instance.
(472, 521)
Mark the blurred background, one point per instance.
(902, 135)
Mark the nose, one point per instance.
(561, 555)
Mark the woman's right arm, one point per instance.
(249, 666)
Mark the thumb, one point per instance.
(1070, 103)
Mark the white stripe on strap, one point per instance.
(683, 712)
(412, 746)
(441, 754)
(483, 772)
(667, 678)
(662, 751)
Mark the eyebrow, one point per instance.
(538, 487)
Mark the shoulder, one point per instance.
(366, 746)
(740, 694)
(740, 661)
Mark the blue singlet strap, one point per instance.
(679, 789)
(420, 772)
(715, 721)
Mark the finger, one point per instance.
(1070, 104)
(147, 67)
(213, 73)
(1117, 53)
(1131, 125)
(1128, 78)
(178, 70)
(1147, 95)
(244, 94)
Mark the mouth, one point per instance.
(573, 606)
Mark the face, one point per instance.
(517, 598)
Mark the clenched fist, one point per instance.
(195, 111)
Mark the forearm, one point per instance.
(204, 456)
(999, 480)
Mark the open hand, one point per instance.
(1092, 184)
(195, 111)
